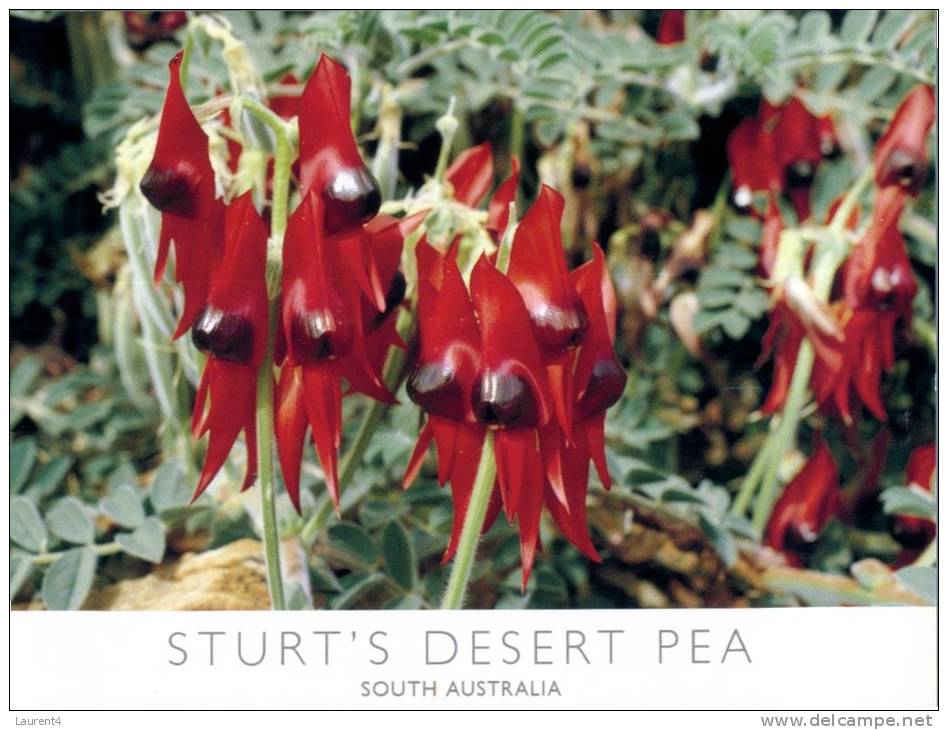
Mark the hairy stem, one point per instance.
(265, 468)
(473, 524)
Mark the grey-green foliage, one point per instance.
(61, 538)
(729, 294)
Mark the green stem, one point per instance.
(281, 164)
(265, 467)
(752, 479)
(109, 548)
(865, 59)
(473, 524)
(790, 421)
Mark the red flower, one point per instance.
(919, 474)
(231, 329)
(780, 149)
(332, 328)
(879, 287)
(330, 163)
(180, 183)
(807, 504)
(505, 358)
(671, 28)
(900, 157)
(471, 175)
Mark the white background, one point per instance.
(809, 659)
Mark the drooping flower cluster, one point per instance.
(528, 355)
(777, 151)
(854, 337)
(340, 285)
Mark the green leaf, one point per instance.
(26, 526)
(752, 302)
(814, 25)
(735, 324)
(24, 375)
(67, 581)
(715, 298)
(920, 580)
(720, 539)
(169, 489)
(22, 378)
(47, 479)
(374, 512)
(876, 81)
(857, 25)
(147, 542)
(736, 256)
(69, 520)
(21, 567)
(706, 320)
(354, 585)
(124, 506)
(744, 228)
(717, 276)
(22, 460)
(910, 501)
(399, 555)
(893, 24)
(353, 542)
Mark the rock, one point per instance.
(231, 578)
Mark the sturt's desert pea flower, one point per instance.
(671, 27)
(779, 150)
(180, 183)
(878, 288)
(471, 175)
(901, 157)
(911, 531)
(330, 163)
(331, 330)
(231, 329)
(807, 504)
(527, 355)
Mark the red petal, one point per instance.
(750, 153)
(538, 270)
(529, 504)
(807, 502)
(180, 178)
(498, 210)
(316, 321)
(418, 455)
(330, 163)
(286, 106)
(468, 442)
(571, 517)
(901, 158)
(508, 347)
(233, 395)
(290, 426)
(323, 400)
(238, 281)
(671, 28)
(770, 239)
(472, 174)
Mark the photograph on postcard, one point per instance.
(494, 309)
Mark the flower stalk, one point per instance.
(473, 524)
(283, 158)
